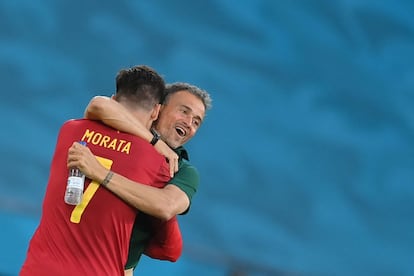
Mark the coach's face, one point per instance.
(179, 118)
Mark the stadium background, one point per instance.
(306, 158)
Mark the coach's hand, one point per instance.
(171, 156)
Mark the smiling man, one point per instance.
(182, 115)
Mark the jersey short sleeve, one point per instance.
(187, 179)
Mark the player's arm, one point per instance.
(112, 113)
(163, 203)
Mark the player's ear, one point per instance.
(155, 112)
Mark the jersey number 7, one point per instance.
(89, 193)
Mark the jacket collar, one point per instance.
(182, 153)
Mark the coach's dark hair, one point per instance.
(203, 95)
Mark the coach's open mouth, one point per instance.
(181, 131)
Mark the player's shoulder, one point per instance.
(80, 121)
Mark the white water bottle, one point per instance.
(75, 185)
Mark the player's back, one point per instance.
(92, 237)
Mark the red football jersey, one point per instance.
(93, 237)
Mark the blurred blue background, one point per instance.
(306, 159)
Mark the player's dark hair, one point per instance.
(140, 85)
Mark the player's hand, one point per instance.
(82, 158)
(171, 156)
